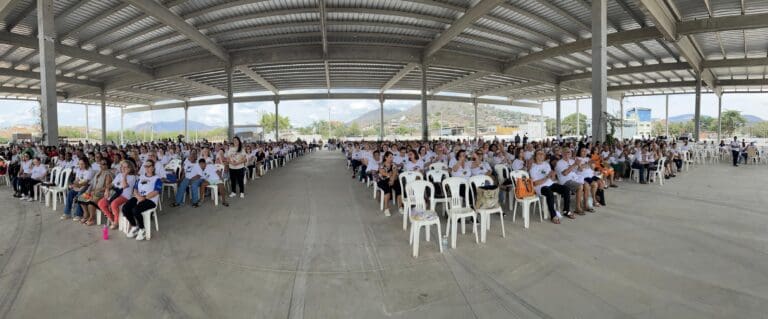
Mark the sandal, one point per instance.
(582, 213)
(90, 222)
(591, 210)
(569, 215)
(113, 226)
(556, 220)
(225, 204)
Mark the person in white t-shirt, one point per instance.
(191, 178)
(567, 176)
(479, 166)
(37, 173)
(146, 193)
(413, 163)
(211, 176)
(543, 177)
(461, 167)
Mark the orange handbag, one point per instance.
(524, 187)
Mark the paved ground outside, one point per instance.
(309, 242)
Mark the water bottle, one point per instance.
(105, 232)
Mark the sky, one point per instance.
(303, 113)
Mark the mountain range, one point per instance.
(689, 117)
(172, 126)
(448, 113)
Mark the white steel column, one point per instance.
(541, 117)
(47, 46)
(230, 106)
(87, 124)
(599, 68)
(558, 114)
(277, 120)
(719, 116)
(621, 116)
(122, 116)
(697, 113)
(381, 117)
(103, 116)
(474, 103)
(186, 121)
(424, 114)
(578, 119)
(666, 115)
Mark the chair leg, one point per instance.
(439, 236)
(501, 219)
(416, 230)
(452, 223)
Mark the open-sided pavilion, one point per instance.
(132, 54)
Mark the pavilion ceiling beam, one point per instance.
(10, 24)
(648, 68)
(258, 79)
(324, 36)
(90, 22)
(166, 16)
(399, 76)
(198, 85)
(459, 82)
(155, 93)
(650, 86)
(726, 23)
(7, 6)
(26, 91)
(63, 15)
(667, 23)
(456, 28)
(74, 52)
(539, 19)
(506, 88)
(36, 76)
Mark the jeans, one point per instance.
(735, 158)
(71, 197)
(194, 190)
(642, 168)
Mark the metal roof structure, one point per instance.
(144, 51)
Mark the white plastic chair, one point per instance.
(422, 215)
(525, 203)
(485, 214)
(174, 186)
(406, 178)
(658, 174)
(53, 178)
(440, 166)
(437, 176)
(215, 187)
(60, 189)
(502, 175)
(147, 215)
(458, 208)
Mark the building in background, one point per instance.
(637, 122)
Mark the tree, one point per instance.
(759, 129)
(731, 121)
(353, 129)
(569, 124)
(551, 127)
(268, 123)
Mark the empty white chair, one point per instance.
(458, 208)
(502, 175)
(436, 177)
(215, 187)
(60, 189)
(422, 215)
(176, 169)
(525, 203)
(658, 174)
(405, 178)
(485, 214)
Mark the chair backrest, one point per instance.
(407, 178)
(55, 175)
(477, 181)
(64, 179)
(502, 172)
(438, 166)
(417, 191)
(436, 176)
(452, 185)
(519, 174)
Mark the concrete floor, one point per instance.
(308, 242)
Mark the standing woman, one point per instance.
(145, 196)
(237, 160)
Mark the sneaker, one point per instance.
(64, 217)
(140, 235)
(23, 197)
(386, 212)
(231, 195)
(401, 210)
(132, 233)
(76, 219)
(242, 195)
(30, 199)
(195, 205)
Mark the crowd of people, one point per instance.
(579, 168)
(128, 179)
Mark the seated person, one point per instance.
(211, 176)
(83, 175)
(36, 176)
(191, 177)
(145, 196)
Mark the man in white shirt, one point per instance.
(567, 176)
(192, 178)
(211, 176)
(735, 150)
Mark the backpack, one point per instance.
(524, 188)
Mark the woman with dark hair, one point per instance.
(236, 161)
(82, 179)
(145, 196)
(413, 163)
(388, 181)
(122, 185)
(99, 188)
